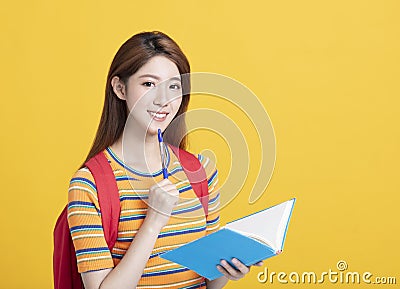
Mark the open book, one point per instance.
(250, 239)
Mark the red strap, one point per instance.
(195, 173)
(108, 195)
(65, 271)
(66, 274)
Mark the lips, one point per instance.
(158, 116)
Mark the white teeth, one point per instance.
(158, 115)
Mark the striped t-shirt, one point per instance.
(187, 223)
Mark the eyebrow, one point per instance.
(158, 78)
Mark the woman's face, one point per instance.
(153, 94)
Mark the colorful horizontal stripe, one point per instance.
(186, 224)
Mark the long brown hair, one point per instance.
(130, 57)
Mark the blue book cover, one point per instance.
(250, 239)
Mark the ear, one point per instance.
(118, 87)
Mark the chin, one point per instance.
(153, 129)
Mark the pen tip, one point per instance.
(159, 136)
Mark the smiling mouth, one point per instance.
(158, 116)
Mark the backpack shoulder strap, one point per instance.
(195, 173)
(108, 195)
(65, 271)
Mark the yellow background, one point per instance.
(326, 71)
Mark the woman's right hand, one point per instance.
(163, 197)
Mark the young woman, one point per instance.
(147, 89)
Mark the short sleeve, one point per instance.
(213, 194)
(84, 220)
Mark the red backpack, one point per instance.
(65, 270)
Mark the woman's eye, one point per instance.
(175, 86)
(148, 83)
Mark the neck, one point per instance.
(138, 150)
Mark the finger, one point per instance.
(168, 188)
(163, 182)
(173, 193)
(259, 264)
(242, 267)
(225, 273)
(235, 274)
(166, 183)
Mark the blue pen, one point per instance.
(162, 152)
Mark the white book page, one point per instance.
(268, 225)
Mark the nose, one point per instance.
(161, 95)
